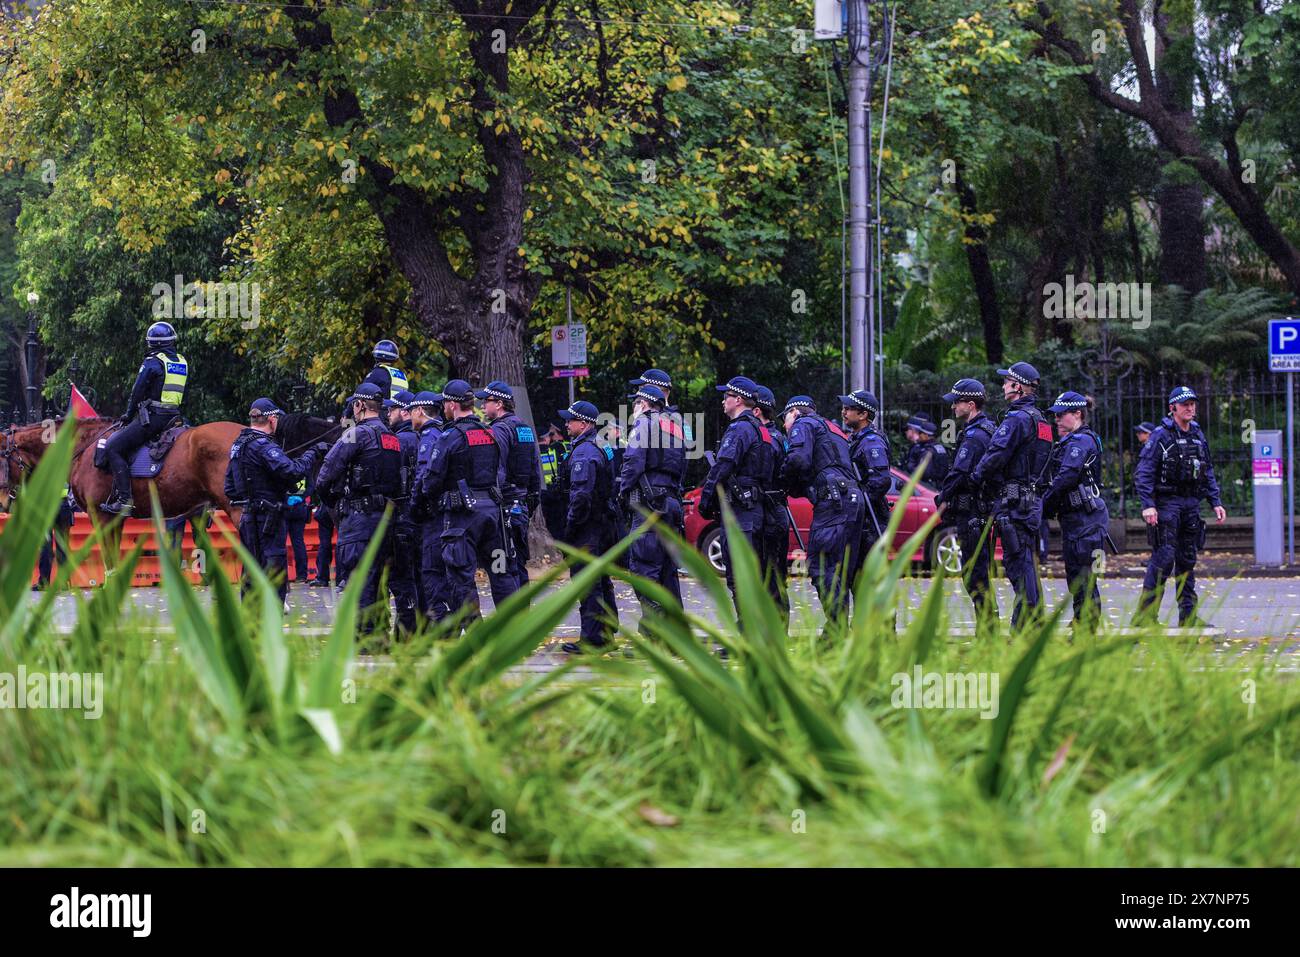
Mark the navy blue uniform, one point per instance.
(361, 474)
(775, 556)
(869, 453)
(297, 513)
(940, 462)
(744, 467)
(1074, 497)
(1173, 475)
(433, 576)
(965, 510)
(146, 419)
(1015, 462)
(258, 479)
(587, 479)
(523, 484)
(404, 582)
(818, 467)
(57, 540)
(463, 482)
(653, 469)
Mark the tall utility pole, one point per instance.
(862, 346)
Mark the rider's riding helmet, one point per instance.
(161, 334)
(386, 350)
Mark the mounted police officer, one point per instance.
(386, 375)
(1074, 498)
(404, 580)
(775, 556)
(361, 474)
(258, 480)
(1173, 475)
(964, 505)
(523, 480)
(426, 418)
(921, 432)
(744, 467)
(587, 480)
(650, 482)
(154, 405)
(1011, 470)
(463, 481)
(869, 453)
(818, 466)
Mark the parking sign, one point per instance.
(1284, 345)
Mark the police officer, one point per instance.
(1074, 498)
(258, 479)
(963, 501)
(405, 582)
(869, 453)
(523, 480)
(463, 481)
(1143, 432)
(555, 505)
(1173, 475)
(325, 525)
(650, 482)
(744, 467)
(661, 381)
(818, 466)
(1011, 470)
(775, 556)
(361, 475)
(154, 405)
(921, 432)
(386, 375)
(57, 540)
(426, 418)
(587, 479)
(297, 513)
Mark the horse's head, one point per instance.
(297, 430)
(20, 450)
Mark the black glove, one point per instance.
(532, 500)
(320, 448)
(707, 507)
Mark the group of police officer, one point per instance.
(464, 486)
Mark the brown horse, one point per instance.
(192, 477)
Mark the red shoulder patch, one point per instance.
(389, 442)
(479, 437)
(767, 435)
(1045, 432)
(671, 427)
(836, 429)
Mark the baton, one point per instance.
(872, 512)
(798, 536)
(1114, 550)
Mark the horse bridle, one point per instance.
(10, 453)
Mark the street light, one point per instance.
(32, 348)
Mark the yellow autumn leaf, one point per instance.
(677, 83)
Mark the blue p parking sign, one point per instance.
(1284, 345)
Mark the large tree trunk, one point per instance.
(981, 272)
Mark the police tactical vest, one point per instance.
(476, 464)
(665, 461)
(519, 451)
(830, 452)
(377, 468)
(1029, 460)
(1183, 461)
(175, 373)
(757, 466)
(396, 380)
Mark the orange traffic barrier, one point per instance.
(148, 571)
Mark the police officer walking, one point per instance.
(775, 556)
(1173, 475)
(258, 480)
(389, 379)
(361, 475)
(818, 467)
(921, 432)
(964, 506)
(463, 481)
(1011, 470)
(650, 482)
(426, 418)
(744, 467)
(869, 453)
(587, 480)
(523, 480)
(154, 405)
(1074, 498)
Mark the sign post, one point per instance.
(569, 348)
(1284, 356)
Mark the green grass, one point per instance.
(234, 744)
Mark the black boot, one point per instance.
(117, 505)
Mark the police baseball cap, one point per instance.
(650, 394)
(799, 402)
(367, 390)
(740, 385)
(766, 399)
(1181, 394)
(1069, 402)
(425, 400)
(496, 390)
(582, 411)
(1021, 372)
(458, 390)
(262, 408)
(1145, 427)
(401, 400)
(965, 389)
(922, 424)
(861, 399)
(654, 377)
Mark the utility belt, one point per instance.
(362, 504)
(464, 498)
(1084, 498)
(259, 506)
(744, 494)
(832, 489)
(969, 503)
(1019, 494)
(152, 411)
(1181, 489)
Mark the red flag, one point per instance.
(78, 405)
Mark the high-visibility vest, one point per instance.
(550, 465)
(175, 372)
(396, 380)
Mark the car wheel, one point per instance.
(945, 550)
(711, 548)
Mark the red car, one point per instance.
(943, 546)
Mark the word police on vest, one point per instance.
(103, 910)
